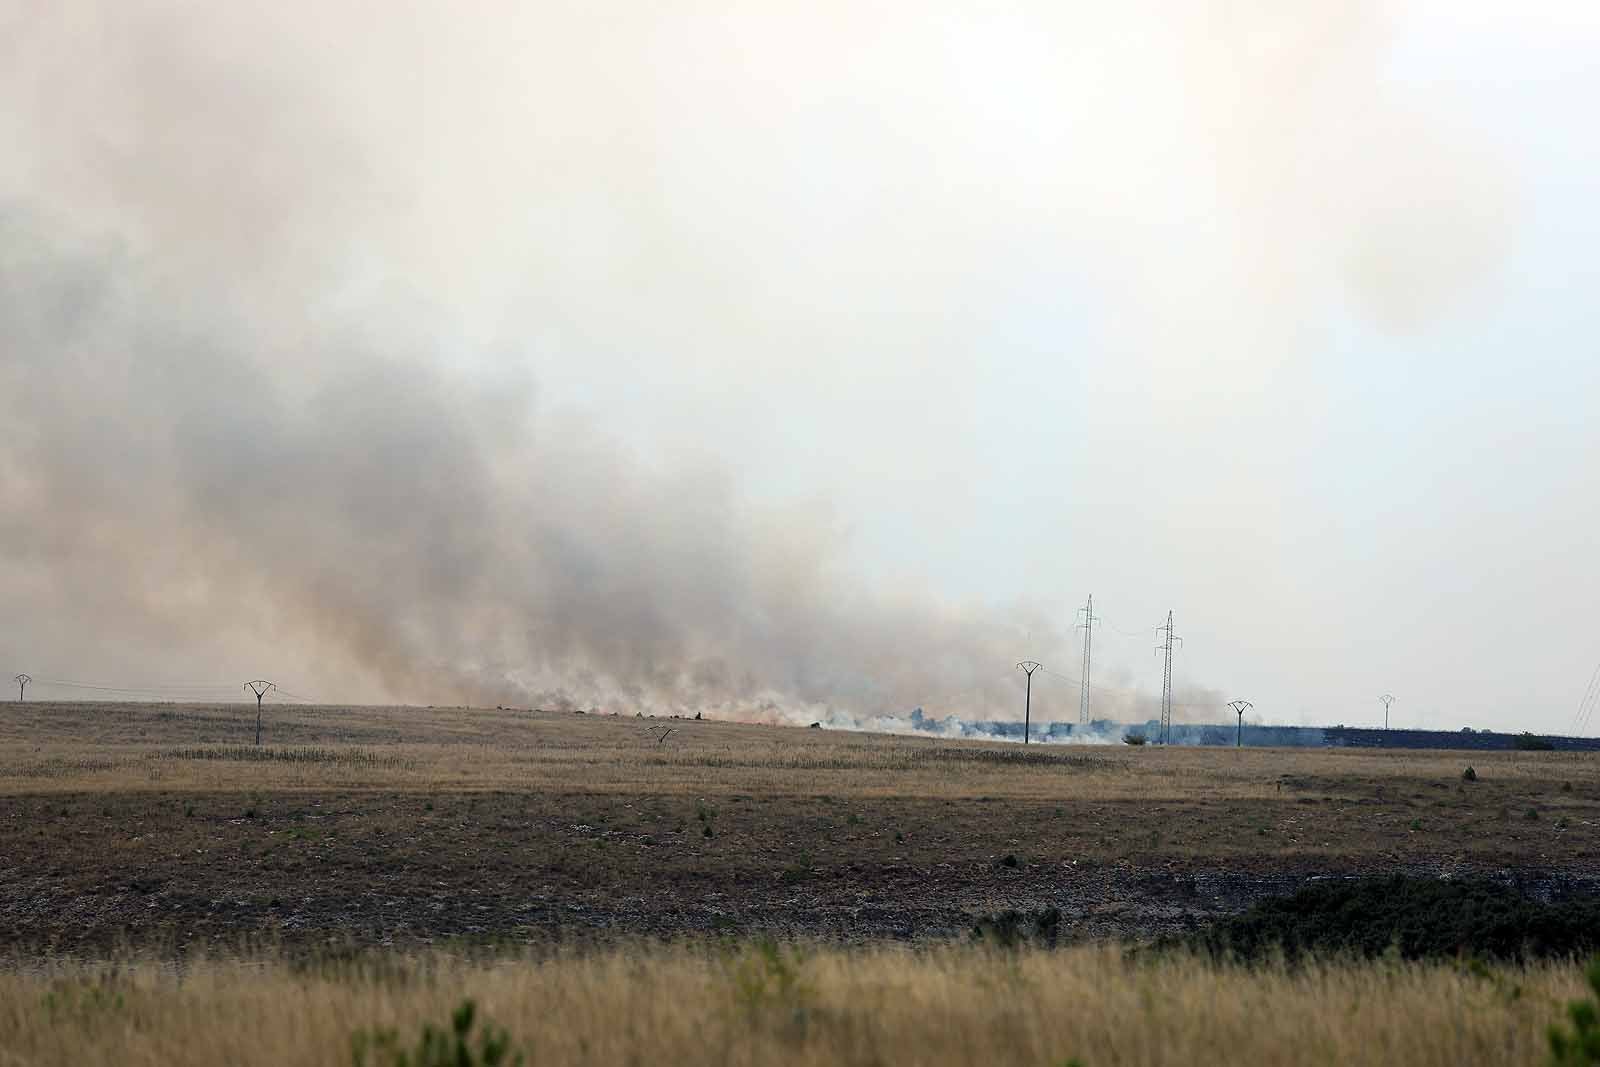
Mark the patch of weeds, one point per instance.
(770, 989)
(1531, 815)
(1013, 929)
(437, 1046)
(853, 819)
(1416, 824)
(1578, 1044)
(84, 999)
(799, 870)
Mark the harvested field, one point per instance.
(161, 827)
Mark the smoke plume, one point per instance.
(534, 353)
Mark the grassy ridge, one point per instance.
(770, 1006)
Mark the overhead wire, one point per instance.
(1586, 706)
(177, 691)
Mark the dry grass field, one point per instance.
(939, 1007)
(172, 894)
(147, 826)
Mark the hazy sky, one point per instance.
(805, 356)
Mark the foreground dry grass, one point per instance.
(671, 1006)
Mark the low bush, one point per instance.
(1578, 1045)
(1015, 929)
(437, 1047)
(1417, 918)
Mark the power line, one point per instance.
(1580, 721)
(1124, 633)
(1131, 691)
(95, 686)
(182, 691)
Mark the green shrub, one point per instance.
(437, 1047)
(1013, 929)
(1578, 1045)
(1416, 918)
(1133, 739)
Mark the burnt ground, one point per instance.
(97, 871)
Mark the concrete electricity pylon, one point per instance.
(1027, 667)
(1239, 708)
(260, 687)
(22, 681)
(1169, 638)
(1087, 626)
(1387, 700)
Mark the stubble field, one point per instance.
(582, 862)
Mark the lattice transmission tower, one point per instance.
(1169, 638)
(1087, 626)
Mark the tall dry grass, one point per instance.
(885, 1006)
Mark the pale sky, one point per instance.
(1281, 316)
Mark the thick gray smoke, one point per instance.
(530, 352)
(407, 531)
